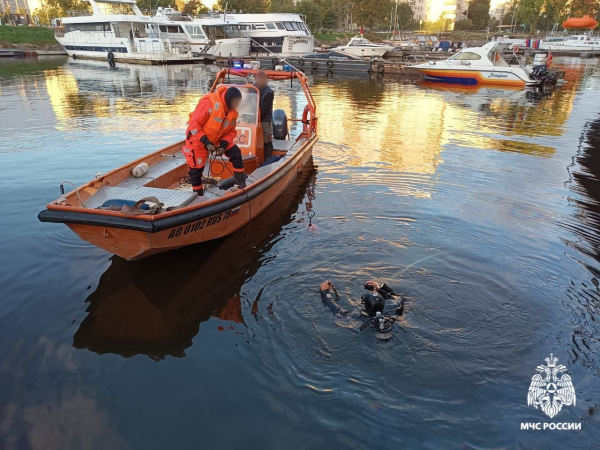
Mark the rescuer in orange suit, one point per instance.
(211, 130)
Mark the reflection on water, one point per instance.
(480, 206)
(130, 314)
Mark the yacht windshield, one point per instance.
(222, 31)
(195, 31)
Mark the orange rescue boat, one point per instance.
(167, 213)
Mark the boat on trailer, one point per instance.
(166, 213)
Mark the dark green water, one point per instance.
(481, 207)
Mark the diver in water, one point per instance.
(374, 302)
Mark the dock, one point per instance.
(15, 53)
(398, 66)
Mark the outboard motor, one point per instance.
(539, 73)
(280, 125)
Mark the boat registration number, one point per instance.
(202, 224)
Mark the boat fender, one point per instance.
(140, 170)
(274, 61)
(326, 289)
(74, 56)
(111, 58)
(114, 203)
(228, 183)
(380, 68)
(271, 160)
(313, 64)
(330, 63)
(301, 62)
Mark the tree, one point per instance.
(479, 13)
(6, 15)
(439, 25)
(581, 7)
(193, 8)
(373, 13)
(529, 11)
(406, 17)
(247, 6)
(282, 6)
(312, 13)
(153, 5)
(463, 25)
(555, 12)
(52, 9)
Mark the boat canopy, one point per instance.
(490, 53)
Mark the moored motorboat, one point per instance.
(281, 34)
(147, 206)
(210, 35)
(576, 43)
(331, 60)
(477, 66)
(361, 47)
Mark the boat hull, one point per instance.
(145, 51)
(561, 47)
(364, 52)
(474, 77)
(194, 227)
(235, 48)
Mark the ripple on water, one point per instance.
(479, 206)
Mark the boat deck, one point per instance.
(179, 193)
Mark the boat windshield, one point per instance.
(359, 42)
(465, 56)
(248, 111)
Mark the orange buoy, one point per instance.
(580, 22)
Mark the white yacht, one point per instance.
(576, 43)
(118, 28)
(359, 46)
(210, 35)
(279, 33)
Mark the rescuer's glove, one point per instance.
(207, 144)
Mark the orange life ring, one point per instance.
(305, 120)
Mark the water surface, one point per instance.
(480, 206)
